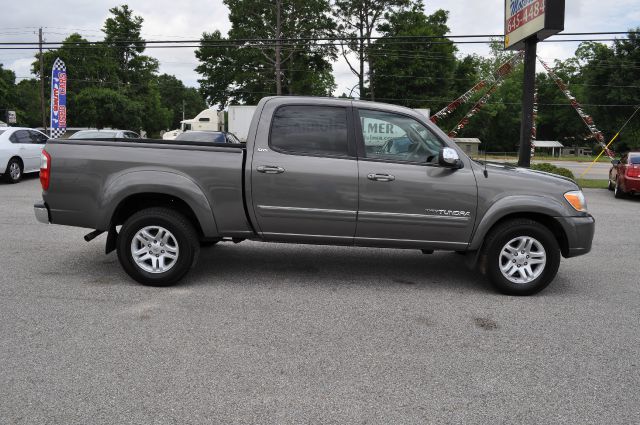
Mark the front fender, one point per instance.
(170, 183)
(513, 205)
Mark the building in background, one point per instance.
(547, 146)
(470, 145)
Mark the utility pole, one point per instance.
(183, 103)
(528, 93)
(44, 116)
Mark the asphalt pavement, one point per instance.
(290, 334)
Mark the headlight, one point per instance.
(576, 199)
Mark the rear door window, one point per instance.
(310, 130)
(20, 136)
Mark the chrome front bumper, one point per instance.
(42, 212)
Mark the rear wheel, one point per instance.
(157, 246)
(13, 173)
(617, 191)
(523, 257)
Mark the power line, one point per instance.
(347, 39)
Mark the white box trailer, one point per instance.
(239, 118)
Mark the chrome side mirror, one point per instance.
(448, 157)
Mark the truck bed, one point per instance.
(91, 178)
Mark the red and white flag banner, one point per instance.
(586, 118)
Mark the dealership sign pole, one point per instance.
(527, 22)
(58, 99)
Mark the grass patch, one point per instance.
(510, 158)
(593, 184)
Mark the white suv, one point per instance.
(20, 150)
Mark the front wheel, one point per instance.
(157, 246)
(611, 185)
(523, 257)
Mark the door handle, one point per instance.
(270, 169)
(381, 177)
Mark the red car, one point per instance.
(624, 176)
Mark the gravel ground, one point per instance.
(288, 334)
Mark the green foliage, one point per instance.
(245, 73)
(112, 84)
(173, 95)
(104, 107)
(28, 103)
(429, 70)
(7, 91)
(610, 76)
(550, 168)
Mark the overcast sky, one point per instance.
(188, 19)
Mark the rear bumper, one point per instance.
(42, 212)
(630, 184)
(579, 232)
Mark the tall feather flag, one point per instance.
(58, 99)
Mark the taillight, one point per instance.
(633, 171)
(45, 169)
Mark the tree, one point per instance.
(7, 91)
(357, 21)
(409, 73)
(104, 107)
(288, 61)
(173, 95)
(610, 77)
(125, 45)
(87, 66)
(28, 103)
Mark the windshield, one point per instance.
(2, 131)
(202, 136)
(634, 159)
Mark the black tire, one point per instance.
(618, 192)
(610, 186)
(183, 233)
(505, 232)
(9, 178)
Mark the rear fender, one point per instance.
(161, 182)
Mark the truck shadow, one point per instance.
(277, 265)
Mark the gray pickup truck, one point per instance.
(315, 171)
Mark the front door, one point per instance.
(304, 176)
(406, 197)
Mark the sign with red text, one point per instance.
(531, 18)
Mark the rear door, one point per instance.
(26, 149)
(304, 176)
(405, 197)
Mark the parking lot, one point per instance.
(274, 333)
